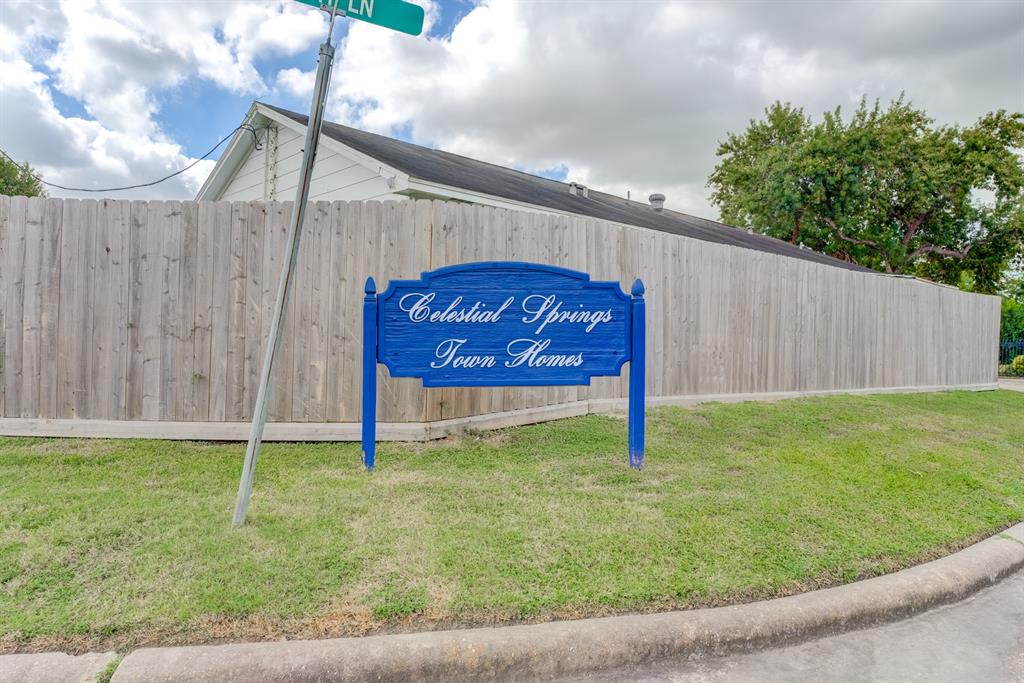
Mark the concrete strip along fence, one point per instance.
(147, 318)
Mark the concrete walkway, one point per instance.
(54, 667)
(1011, 383)
(979, 639)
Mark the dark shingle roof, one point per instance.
(461, 172)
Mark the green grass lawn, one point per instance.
(123, 543)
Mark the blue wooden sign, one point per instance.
(503, 324)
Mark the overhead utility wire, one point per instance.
(244, 126)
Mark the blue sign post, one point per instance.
(503, 324)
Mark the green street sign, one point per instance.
(394, 14)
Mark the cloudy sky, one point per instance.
(617, 94)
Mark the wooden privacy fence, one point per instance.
(157, 310)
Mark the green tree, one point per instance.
(886, 189)
(1011, 326)
(19, 180)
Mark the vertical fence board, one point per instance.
(279, 404)
(105, 311)
(14, 267)
(31, 318)
(675, 331)
(558, 234)
(171, 388)
(408, 245)
(101, 375)
(5, 229)
(255, 244)
(324, 281)
(345, 289)
(301, 312)
(357, 260)
(112, 294)
(71, 227)
(313, 308)
(393, 262)
(228, 288)
(87, 352)
(489, 244)
(212, 237)
(185, 323)
(134, 380)
(240, 272)
(518, 231)
(376, 259)
(686, 289)
(152, 332)
(121, 302)
(602, 248)
(443, 251)
(466, 223)
(433, 398)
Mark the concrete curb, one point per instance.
(577, 647)
(54, 667)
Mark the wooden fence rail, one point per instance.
(157, 310)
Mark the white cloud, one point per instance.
(115, 57)
(77, 152)
(295, 82)
(114, 54)
(627, 96)
(635, 96)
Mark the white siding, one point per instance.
(335, 176)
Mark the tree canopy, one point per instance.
(1011, 326)
(18, 180)
(886, 189)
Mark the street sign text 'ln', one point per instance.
(394, 14)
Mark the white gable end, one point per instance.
(272, 171)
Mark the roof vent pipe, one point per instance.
(657, 201)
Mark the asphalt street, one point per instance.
(979, 640)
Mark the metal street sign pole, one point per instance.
(259, 417)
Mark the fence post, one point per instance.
(369, 374)
(637, 376)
